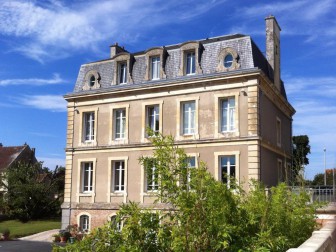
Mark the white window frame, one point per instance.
(218, 133)
(188, 117)
(229, 167)
(119, 185)
(218, 167)
(112, 130)
(119, 121)
(80, 216)
(194, 156)
(122, 72)
(89, 126)
(145, 118)
(155, 177)
(230, 115)
(190, 63)
(111, 192)
(90, 172)
(180, 134)
(155, 66)
(80, 179)
(153, 117)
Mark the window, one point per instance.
(188, 118)
(87, 176)
(88, 124)
(92, 81)
(228, 60)
(190, 63)
(117, 224)
(118, 176)
(278, 131)
(155, 68)
(227, 168)
(153, 118)
(122, 72)
(119, 123)
(84, 222)
(152, 176)
(227, 107)
(187, 175)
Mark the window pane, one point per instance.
(155, 70)
(188, 119)
(122, 73)
(228, 168)
(92, 81)
(228, 60)
(190, 63)
(120, 123)
(89, 126)
(87, 172)
(228, 114)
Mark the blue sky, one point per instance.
(43, 44)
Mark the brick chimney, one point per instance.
(273, 47)
(115, 49)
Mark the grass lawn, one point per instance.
(19, 229)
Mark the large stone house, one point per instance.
(221, 98)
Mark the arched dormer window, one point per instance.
(123, 68)
(91, 80)
(227, 60)
(155, 63)
(190, 62)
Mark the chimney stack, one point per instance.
(273, 48)
(115, 49)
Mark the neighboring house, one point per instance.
(221, 99)
(10, 155)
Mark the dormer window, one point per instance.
(191, 54)
(155, 67)
(190, 63)
(228, 60)
(122, 73)
(155, 63)
(91, 80)
(123, 65)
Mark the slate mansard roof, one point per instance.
(250, 58)
(12, 154)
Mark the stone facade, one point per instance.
(216, 96)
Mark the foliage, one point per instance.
(203, 214)
(30, 191)
(301, 149)
(319, 178)
(19, 229)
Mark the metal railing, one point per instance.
(319, 193)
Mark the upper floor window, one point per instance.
(188, 117)
(187, 174)
(84, 222)
(122, 73)
(119, 123)
(119, 176)
(155, 67)
(87, 176)
(92, 81)
(227, 107)
(227, 168)
(228, 60)
(152, 175)
(89, 126)
(190, 67)
(153, 118)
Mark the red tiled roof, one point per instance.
(9, 154)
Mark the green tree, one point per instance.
(30, 192)
(203, 214)
(301, 149)
(319, 178)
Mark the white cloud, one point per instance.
(56, 79)
(54, 103)
(52, 28)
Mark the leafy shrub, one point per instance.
(204, 214)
